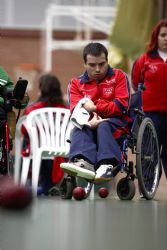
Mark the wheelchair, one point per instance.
(143, 143)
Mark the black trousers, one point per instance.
(160, 123)
(3, 118)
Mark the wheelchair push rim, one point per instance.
(147, 159)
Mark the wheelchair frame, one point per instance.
(143, 142)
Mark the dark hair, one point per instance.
(94, 49)
(50, 88)
(153, 42)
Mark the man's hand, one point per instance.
(95, 121)
(89, 106)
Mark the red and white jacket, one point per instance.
(111, 95)
(152, 70)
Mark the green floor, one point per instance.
(93, 224)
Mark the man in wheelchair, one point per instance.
(99, 100)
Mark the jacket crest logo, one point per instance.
(108, 91)
(152, 68)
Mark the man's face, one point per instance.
(96, 67)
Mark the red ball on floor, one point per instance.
(103, 192)
(79, 193)
(14, 196)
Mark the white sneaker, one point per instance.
(104, 173)
(80, 168)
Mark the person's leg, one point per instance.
(82, 154)
(164, 157)
(83, 144)
(46, 175)
(164, 144)
(159, 127)
(108, 153)
(108, 148)
(3, 119)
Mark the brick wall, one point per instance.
(25, 47)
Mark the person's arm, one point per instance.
(95, 121)
(74, 94)
(120, 104)
(137, 73)
(90, 106)
(5, 80)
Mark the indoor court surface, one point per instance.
(92, 224)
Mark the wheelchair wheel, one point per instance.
(147, 159)
(67, 186)
(126, 189)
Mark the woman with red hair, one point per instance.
(151, 69)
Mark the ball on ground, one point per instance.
(79, 193)
(103, 192)
(14, 196)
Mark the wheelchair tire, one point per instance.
(126, 189)
(67, 186)
(147, 159)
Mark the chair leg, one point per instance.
(25, 169)
(17, 163)
(36, 164)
